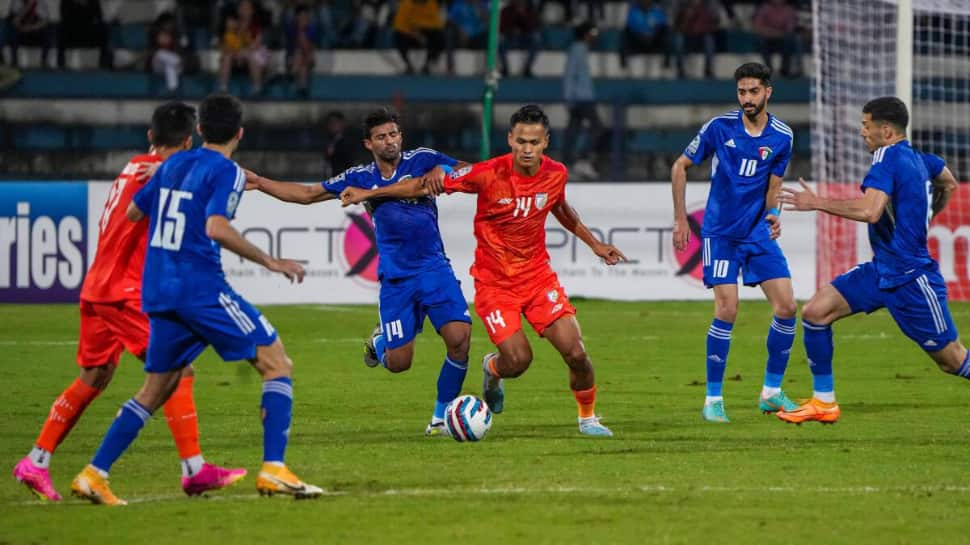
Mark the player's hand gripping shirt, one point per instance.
(510, 222)
(115, 274)
(183, 267)
(408, 239)
(740, 171)
(899, 238)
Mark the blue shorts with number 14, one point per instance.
(757, 261)
(405, 302)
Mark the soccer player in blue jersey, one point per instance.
(417, 280)
(189, 203)
(903, 190)
(751, 150)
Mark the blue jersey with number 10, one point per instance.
(740, 171)
(408, 240)
(183, 267)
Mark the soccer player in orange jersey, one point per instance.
(112, 321)
(516, 192)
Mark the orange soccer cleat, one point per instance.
(90, 485)
(813, 409)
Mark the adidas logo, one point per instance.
(715, 358)
(730, 143)
(930, 342)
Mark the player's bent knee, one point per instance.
(272, 361)
(786, 310)
(576, 357)
(98, 377)
(397, 364)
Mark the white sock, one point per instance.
(40, 457)
(768, 391)
(192, 465)
(103, 473)
(277, 464)
(826, 397)
(435, 420)
(711, 399)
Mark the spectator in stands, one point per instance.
(301, 39)
(341, 151)
(418, 23)
(775, 25)
(243, 47)
(645, 31)
(696, 23)
(519, 27)
(467, 27)
(83, 25)
(30, 24)
(165, 55)
(580, 97)
(359, 30)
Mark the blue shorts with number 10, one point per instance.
(757, 261)
(405, 302)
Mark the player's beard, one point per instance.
(758, 108)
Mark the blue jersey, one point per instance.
(740, 171)
(183, 267)
(899, 238)
(408, 240)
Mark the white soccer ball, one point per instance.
(468, 418)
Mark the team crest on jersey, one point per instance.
(765, 152)
(455, 174)
(541, 199)
(553, 296)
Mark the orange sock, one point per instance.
(492, 368)
(586, 400)
(65, 412)
(182, 420)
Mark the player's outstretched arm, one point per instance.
(944, 186)
(567, 216)
(406, 189)
(678, 182)
(868, 208)
(288, 191)
(220, 230)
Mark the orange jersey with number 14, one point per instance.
(510, 223)
(116, 272)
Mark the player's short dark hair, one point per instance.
(530, 114)
(754, 70)
(379, 117)
(220, 118)
(888, 110)
(172, 123)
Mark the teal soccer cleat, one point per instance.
(714, 412)
(777, 402)
(493, 390)
(592, 426)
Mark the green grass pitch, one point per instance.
(894, 470)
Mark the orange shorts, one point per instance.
(109, 328)
(501, 309)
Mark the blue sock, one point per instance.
(380, 346)
(819, 349)
(130, 420)
(277, 408)
(965, 368)
(450, 379)
(781, 336)
(718, 344)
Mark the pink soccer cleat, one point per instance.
(211, 477)
(37, 479)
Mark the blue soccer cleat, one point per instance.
(592, 426)
(714, 412)
(777, 402)
(493, 389)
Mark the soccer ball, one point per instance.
(468, 418)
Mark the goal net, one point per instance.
(856, 58)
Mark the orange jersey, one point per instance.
(116, 272)
(510, 223)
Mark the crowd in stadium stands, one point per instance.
(245, 32)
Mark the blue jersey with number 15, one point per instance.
(183, 267)
(740, 171)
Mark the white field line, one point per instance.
(560, 490)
